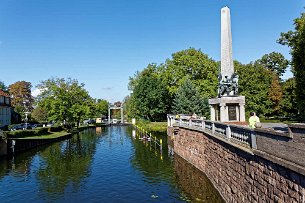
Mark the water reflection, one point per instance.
(66, 164)
(105, 164)
(194, 183)
(149, 160)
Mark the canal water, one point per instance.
(103, 164)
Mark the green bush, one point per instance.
(56, 128)
(27, 133)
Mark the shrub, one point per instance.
(27, 133)
(55, 128)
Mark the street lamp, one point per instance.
(26, 114)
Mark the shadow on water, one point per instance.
(194, 184)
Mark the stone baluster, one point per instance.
(203, 124)
(253, 140)
(213, 128)
(228, 132)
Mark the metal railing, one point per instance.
(240, 135)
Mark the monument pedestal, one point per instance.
(228, 109)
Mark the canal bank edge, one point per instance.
(12, 145)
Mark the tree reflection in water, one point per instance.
(66, 164)
(180, 175)
(194, 183)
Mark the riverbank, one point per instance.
(160, 127)
(19, 141)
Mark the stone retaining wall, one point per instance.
(238, 175)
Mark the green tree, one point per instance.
(150, 96)
(101, 107)
(275, 95)
(274, 62)
(21, 97)
(254, 84)
(3, 86)
(195, 65)
(188, 100)
(288, 102)
(129, 107)
(66, 100)
(40, 114)
(296, 41)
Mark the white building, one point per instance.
(5, 109)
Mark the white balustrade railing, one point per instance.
(233, 133)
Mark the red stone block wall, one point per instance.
(239, 176)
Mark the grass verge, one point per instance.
(49, 135)
(153, 126)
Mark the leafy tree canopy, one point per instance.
(65, 100)
(150, 96)
(101, 107)
(188, 100)
(275, 62)
(194, 64)
(296, 41)
(288, 102)
(3, 86)
(254, 84)
(40, 114)
(21, 96)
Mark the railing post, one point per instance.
(161, 145)
(180, 122)
(228, 132)
(203, 124)
(190, 123)
(168, 121)
(213, 128)
(253, 140)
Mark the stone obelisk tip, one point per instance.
(227, 68)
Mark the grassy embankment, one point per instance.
(49, 135)
(153, 126)
(43, 133)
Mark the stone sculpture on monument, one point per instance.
(228, 106)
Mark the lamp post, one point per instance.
(26, 114)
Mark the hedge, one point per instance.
(26, 133)
(56, 128)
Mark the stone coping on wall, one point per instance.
(297, 125)
(266, 131)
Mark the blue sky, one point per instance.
(102, 43)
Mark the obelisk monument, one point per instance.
(228, 106)
(227, 68)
